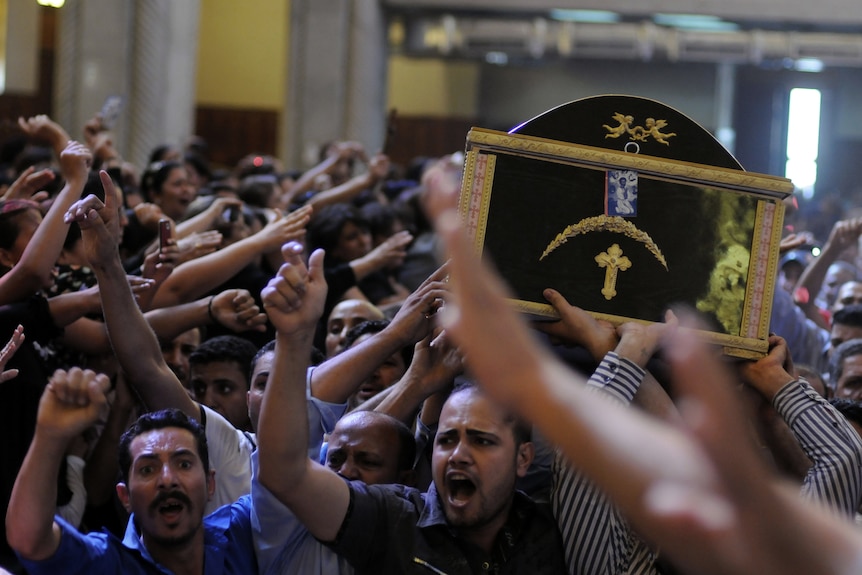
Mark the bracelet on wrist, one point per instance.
(210, 311)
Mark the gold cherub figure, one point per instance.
(623, 128)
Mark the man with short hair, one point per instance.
(851, 409)
(838, 275)
(850, 293)
(166, 484)
(846, 325)
(471, 518)
(219, 377)
(845, 369)
(345, 315)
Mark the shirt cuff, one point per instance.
(618, 377)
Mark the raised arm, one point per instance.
(207, 219)
(294, 302)
(197, 277)
(390, 253)
(598, 337)
(701, 492)
(70, 404)
(33, 271)
(335, 380)
(432, 372)
(134, 343)
(843, 235)
(43, 128)
(28, 184)
(100, 473)
(342, 151)
(234, 309)
(378, 167)
(823, 434)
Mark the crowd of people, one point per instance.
(312, 372)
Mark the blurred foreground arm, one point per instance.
(700, 491)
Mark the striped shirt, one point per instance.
(598, 540)
(828, 439)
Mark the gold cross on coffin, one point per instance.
(612, 260)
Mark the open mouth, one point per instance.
(170, 507)
(461, 489)
(170, 511)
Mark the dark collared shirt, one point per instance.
(400, 530)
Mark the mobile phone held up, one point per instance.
(110, 111)
(164, 234)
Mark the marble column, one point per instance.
(164, 60)
(336, 82)
(144, 51)
(91, 63)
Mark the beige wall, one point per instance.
(242, 62)
(242, 53)
(419, 87)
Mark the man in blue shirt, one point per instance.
(166, 485)
(167, 481)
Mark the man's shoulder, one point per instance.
(526, 508)
(224, 434)
(540, 548)
(234, 517)
(391, 491)
(401, 500)
(92, 553)
(228, 537)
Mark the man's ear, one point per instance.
(526, 452)
(123, 495)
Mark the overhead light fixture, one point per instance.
(497, 58)
(594, 16)
(694, 22)
(808, 65)
(51, 3)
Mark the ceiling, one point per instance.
(804, 14)
(794, 33)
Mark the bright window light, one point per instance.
(497, 58)
(808, 65)
(694, 22)
(598, 16)
(803, 139)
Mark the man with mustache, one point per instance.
(166, 484)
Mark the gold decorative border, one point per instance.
(555, 150)
(759, 291)
(483, 146)
(734, 346)
(475, 200)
